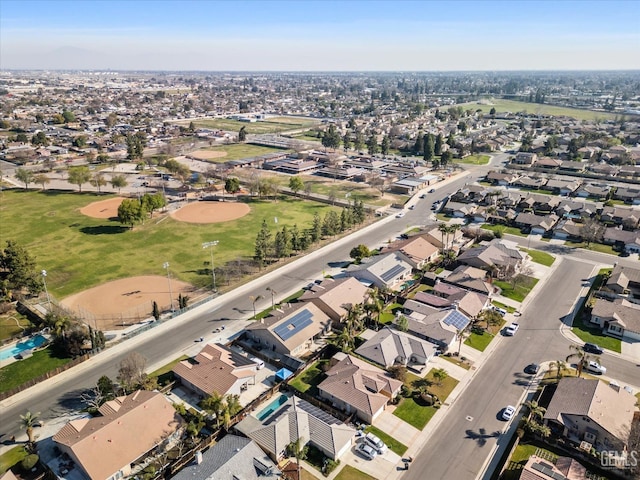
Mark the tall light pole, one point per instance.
(44, 280)
(213, 270)
(165, 265)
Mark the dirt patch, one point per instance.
(103, 209)
(126, 301)
(207, 154)
(211, 212)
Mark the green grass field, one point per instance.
(238, 151)
(473, 160)
(519, 292)
(392, 443)
(309, 380)
(352, 473)
(272, 125)
(12, 457)
(79, 252)
(12, 323)
(17, 373)
(479, 342)
(502, 106)
(542, 258)
(504, 229)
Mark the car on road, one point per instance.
(532, 368)
(400, 215)
(432, 190)
(423, 196)
(592, 348)
(366, 451)
(508, 412)
(592, 366)
(511, 329)
(377, 444)
(412, 207)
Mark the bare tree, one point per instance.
(131, 371)
(93, 398)
(592, 231)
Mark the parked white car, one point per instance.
(508, 412)
(594, 367)
(511, 329)
(378, 445)
(366, 451)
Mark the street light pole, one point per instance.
(44, 280)
(213, 270)
(165, 265)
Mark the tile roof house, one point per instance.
(620, 318)
(389, 347)
(416, 250)
(623, 239)
(216, 369)
(624, 282)
(628, 195)
(593, 191)
(291, 330)
(564, 468)
(469, 303)
(354, 385)
(231, 458)
(621, 216)
(297, 419)
(592, 411)
(436, 326)
(333, 296)
(129, 427)
(496, 254)
(537, 224)
(435, 237)
(470, 278)
(389, 270)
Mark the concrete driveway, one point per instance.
(631, 350)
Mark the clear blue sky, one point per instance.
(320, 35)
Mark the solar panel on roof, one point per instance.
(318, 413)
(389, 274)
(294, 325)
(456, 320)
(548, 471)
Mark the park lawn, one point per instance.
(308, 137)
(512, 106)
(351, 473)
(17, 373)
(479, 342)
(12, 457)
(503, 229)
(99, 250)
(12, 323)
(519, 292)
(239, 151)
(309, 380)
(542, 258)
(473, 160)
(596, 247)
(392, 443)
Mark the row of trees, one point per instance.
(76, 175)
(289, 240)
(135, 210)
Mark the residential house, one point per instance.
(624, 282)
(216, 369)
(628, 195)
(291, 330)
(459, 210)
(576, 210)
(438, 326)
(525, 158)
(568, 230)
(297, 420)
(591, 190)
(622, 239)
(569, 166)
(390, 347)
(530, 182)
(354, 385)
(582, 410)
(389, 270)
(604, 169)
(562, 186)
(335, 297)
(618, 318)
(504, 179)
(564, 468)
(450, 241)
(536, 224)
(498, 254)
(231, 458)
(629, 218)
(127, 428)
(548, 163)
(416, 250)
(469, 278)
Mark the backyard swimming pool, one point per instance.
(272, 407)
(30, 343)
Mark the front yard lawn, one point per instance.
(517, 293)
(165, 374)
(310, 378)
(11, 457)
(596, 247)
(473, 160)
(457, 361)
(542, 258)
(504, 229)
(593, 334)
(352, 473)
(392, 443)
(479, 342)
(17, 373)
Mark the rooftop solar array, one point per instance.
(548, 471)
(389, 274)
(456, 320)
(294, 325)
(318, 413)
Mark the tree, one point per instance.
(461, 336)
(131, 371)
(40, 139)
(28, 421)
(399, 372)
(80, 141)
(439, 375)
(429, 148)
(154, 202)
(375, 305)
(402, 323)
(263, 244)
(111, 119)
(20, 269)
(25, 176)
(372, 145)
(445, 158)
(331, 138)
(331, 224)
(316, 228)
(242, 134)
(359, 252)
(79, 176)
(41, 179)
(535, 410)
(581, 356)
(282, 244)
(491, 317)
(451, 140)
(296, 184)
(346, 141)
(68, 116)
(358, 142)
(214, 404)
(131, 211)
(559, 367)
(437, 150)
(385, 145)
(592, 231)
(492, 111)
(232, 185)
(98, 181)
(106, 387)
(118, 181)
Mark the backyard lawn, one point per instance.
(12, 323)
(392, 443)
(309, 380)
(17, 373)
(542, 258)
(352, 473)
(517, 293)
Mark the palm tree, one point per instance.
(461, 335)
(254, 299)
(440, 375)
(582, 357)
(375, 304)
(559, 366)
(536, 412)
(443, 228)
(62, 325)
(214, 404)
(28, 421)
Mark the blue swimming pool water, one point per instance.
(19, 347)
(272, 407)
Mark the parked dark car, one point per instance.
(593, 348)
(532, 368)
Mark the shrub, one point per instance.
(29, 462)
(330, 466)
